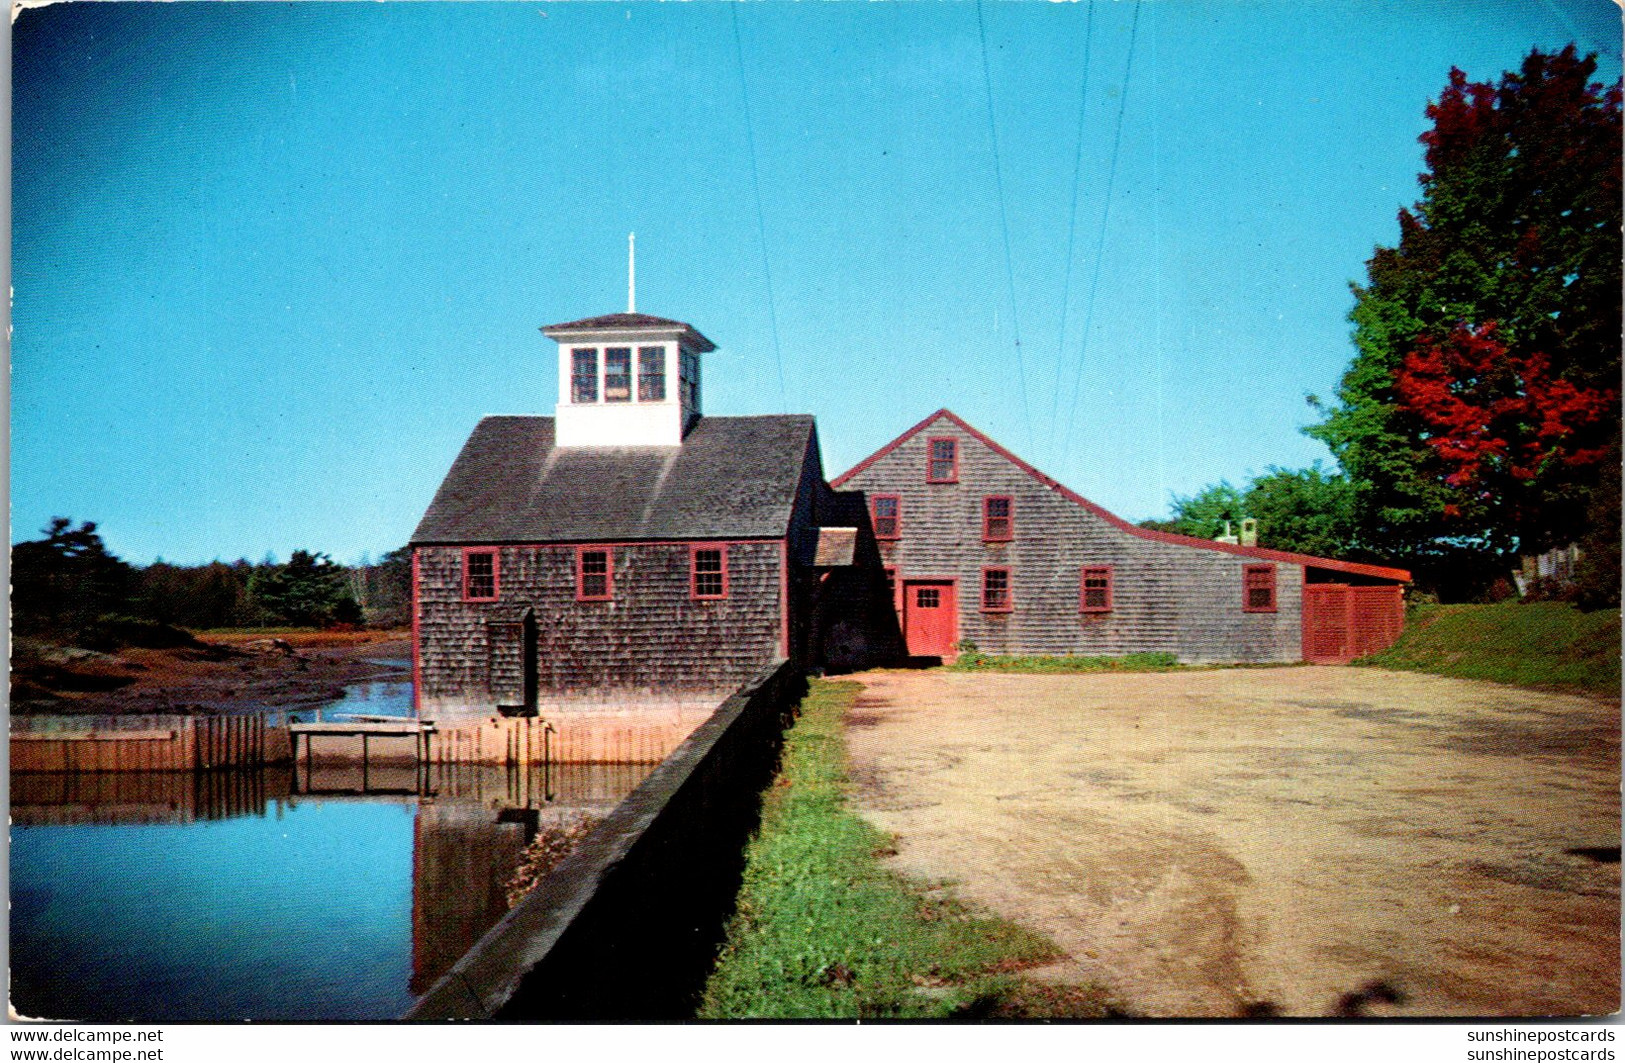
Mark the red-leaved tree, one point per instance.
(1505, 430)
(1465, 444)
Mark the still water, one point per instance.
(172, 896)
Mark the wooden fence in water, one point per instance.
(564, 739)
(254, 740)
(147, 743)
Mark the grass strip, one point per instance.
(1543, 645)
(822, 930)
(975, 661)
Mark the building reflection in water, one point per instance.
(471, 825)
(469, 838)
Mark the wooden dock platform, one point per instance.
(366, 728)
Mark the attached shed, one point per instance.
(980, 547)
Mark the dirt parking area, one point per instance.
(1293, 841)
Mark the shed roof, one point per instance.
(836, 547)
(634, 323)
(733, 478)
(1263, 554)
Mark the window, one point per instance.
(995, 590)
(617, 374)
(998, 519)
(708, 572)
(1096, 594)
(942, 461)
(479, 575)
(891, 587)
(887, 514)
(1258, 589)
(651, 374)
(595, 574)
(688, 379)
(928, 598)
(584, 374)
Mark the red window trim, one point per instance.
(897, 530)
(1083, 586)
(1010, 520)
(496, 572)
(609, 573)
(1248, 572)
(1009, 590)
(694, 574)
(896, 582)
(930, 445)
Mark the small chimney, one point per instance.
(1249, 532)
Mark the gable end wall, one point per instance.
(1165, 597)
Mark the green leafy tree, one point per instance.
(1516, 238)
(384, 590)
(1305, 511)
(198, 596)
(1203, 514)
(309, 590)
(62, 584)
(1597, 576)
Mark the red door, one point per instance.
(1341, 622)
(930, 618)
(1326, 623)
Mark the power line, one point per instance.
(1156, 232)
(1100, 239)
(1071, 229)
(761, 224)
(1004, 223)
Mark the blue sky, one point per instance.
(272, 262)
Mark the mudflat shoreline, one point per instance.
(217, 676)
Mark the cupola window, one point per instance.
(689, 380)
(651, 374)
(617, 374)
(584, 374)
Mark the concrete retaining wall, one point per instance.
(628, 925)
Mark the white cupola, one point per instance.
(627, 380)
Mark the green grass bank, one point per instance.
(1545, 645)
(973, 660)
(823, 931)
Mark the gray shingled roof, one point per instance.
(613, 322)
(733, 477)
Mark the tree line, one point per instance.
(1480, 418)
(67, 584)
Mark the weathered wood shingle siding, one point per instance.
(650, 643)
(1167, 597)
